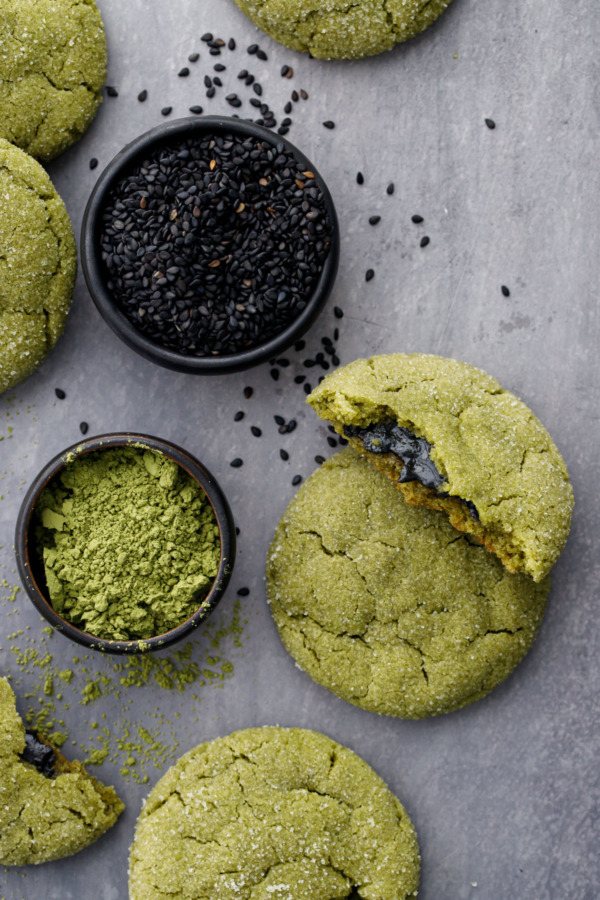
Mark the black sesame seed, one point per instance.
(299, 345)
(390, 189)
(329, 124)
(296, 480)
(369, 275)
(239, 415)
(338, 313)
(319, 460)
(93, 162)
(284, 71)
(84, 427)
(257, 88)
(166, 111)
(332, 442)
(256, 431)
(261, 55)
(209, 246)
(304, 95)
(60, 393)
(279, 420)
(417, 219)
(335, 360)
(299, 379)
(236, 463)
(219, 67)
(193, 57)
(217, 81)
(252, 49)
(360, 178)
(490, 124)
(424, 241)
(197, 110)
(374, 220)
(295, 96)
(243, 592)
(336, 334)
(231, 44)
(143, 96)
(112, 91)
(183, 73)
(214, 51)
(211, 92)
(307, 388)
(248, 391)
(207, 38)
(505, 290)
(237, 531)
(274, 373)
(291, 426)
(284, 455)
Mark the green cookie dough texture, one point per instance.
(386, 604)
(130, 543)
(273, 814)
(487, 445)
(52, 68)
(42, 818)
(38, 264)
(342, 29)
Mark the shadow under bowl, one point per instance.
(96, 275)
(30, 566)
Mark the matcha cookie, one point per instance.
(38, 264)
(452, 439)
(52, 68)
(386, 604)
(49, 807)
(340, 29)
(273, 814)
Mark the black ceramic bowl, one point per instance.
(95, 275)
(31, 569)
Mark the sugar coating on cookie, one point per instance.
(386, 604)
(52, 69)
(38, 264)
(273, 814)
(45, 817)
(500, 475)
(340, 29)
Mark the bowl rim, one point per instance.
(215, 496)
(95, 277)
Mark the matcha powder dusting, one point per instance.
(129, 541)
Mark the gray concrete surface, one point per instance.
(504, 794)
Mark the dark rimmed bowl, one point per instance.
(95, 276)
(31, 569)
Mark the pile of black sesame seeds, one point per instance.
(215, 245)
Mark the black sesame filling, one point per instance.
(413, 451)
(215, 245)
(39, 755)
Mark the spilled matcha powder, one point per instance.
(129, 541)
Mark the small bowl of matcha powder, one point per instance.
(125, 543)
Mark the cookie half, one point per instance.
(273, 814)
(386, 604)
(52, 69)
(49, 807)
(38, 265)
(340, 29)
(453, 440)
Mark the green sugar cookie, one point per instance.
(49, 807)
(452, 439)
(38, 264)
(386, 604)
(340, 29)
(52, 68)
(273, 814)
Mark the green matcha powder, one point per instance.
(130, 543)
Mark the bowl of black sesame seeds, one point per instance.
(210, 245)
